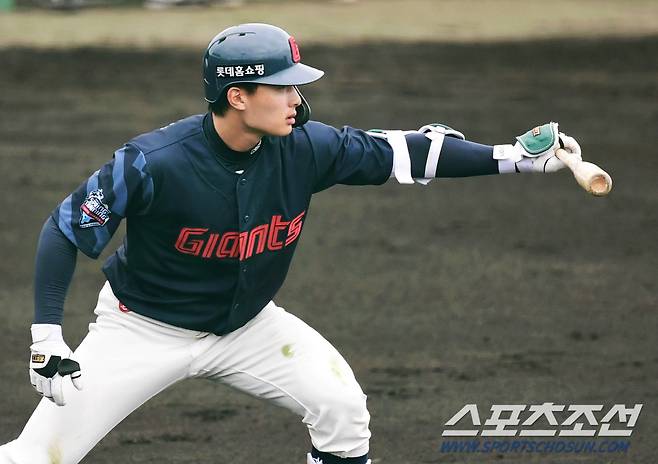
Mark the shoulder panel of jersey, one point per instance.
(168, 135)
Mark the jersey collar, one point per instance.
(222, 150)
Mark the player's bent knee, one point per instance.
(341, 425)
(13, 453)
(5, 457)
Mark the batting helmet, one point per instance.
(259, 53)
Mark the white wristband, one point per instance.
(43, 332)
(507, 156)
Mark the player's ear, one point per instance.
(236, 98)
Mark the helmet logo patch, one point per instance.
(296, 56)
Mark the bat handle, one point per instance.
(588, 175)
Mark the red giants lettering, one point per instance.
(276, 226)
(189, 246)
(243, 245)
(225, 250)
(295, 229)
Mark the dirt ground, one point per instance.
(330, 21)
(497, 290)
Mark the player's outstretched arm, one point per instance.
(50, 360)
(436, 150)
(356, 157)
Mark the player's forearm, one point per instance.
(54, 267)
(436, 151)
(457, 158)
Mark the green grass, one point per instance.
(336, 22)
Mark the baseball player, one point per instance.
(215, 204)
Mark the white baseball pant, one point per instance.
(126, 359)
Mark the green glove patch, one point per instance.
(538, 140)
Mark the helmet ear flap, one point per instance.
(303, 110)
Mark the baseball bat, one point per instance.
(588, 175)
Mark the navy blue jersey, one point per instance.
(207, 247)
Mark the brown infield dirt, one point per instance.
(516, 289)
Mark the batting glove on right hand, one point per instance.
(51, 362)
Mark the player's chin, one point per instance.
(283, 129)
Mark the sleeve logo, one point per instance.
(94, 213)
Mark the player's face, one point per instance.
(270, 110)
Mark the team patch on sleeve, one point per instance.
(93, 212)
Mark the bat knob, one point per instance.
(601, 185)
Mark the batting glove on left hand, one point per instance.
(51, 362)
(535, 150)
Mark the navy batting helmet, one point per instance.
(259, 53)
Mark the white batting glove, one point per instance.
(51, 362)
(535, 150)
